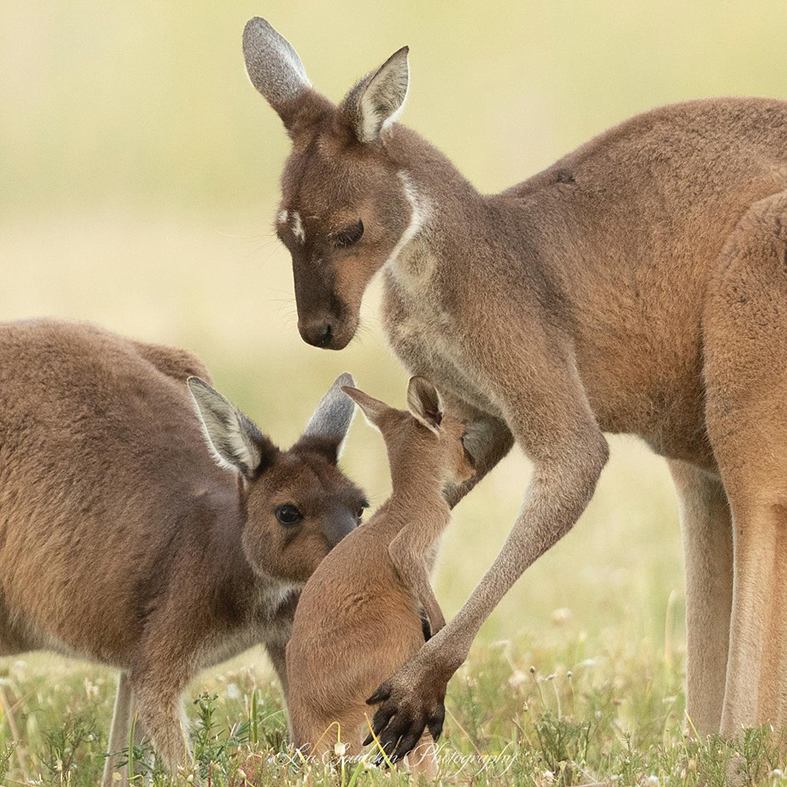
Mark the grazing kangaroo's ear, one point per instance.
(376, 100)
(373, 409)
(424, 403)
(274, 67)
(232, 438)
(330, 422)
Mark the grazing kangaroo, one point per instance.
(638, 285)
(122, 541)
(359, 618)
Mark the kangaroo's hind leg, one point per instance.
(707, 547)
(745, 330)
(119, 733)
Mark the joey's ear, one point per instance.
(424, 403)
(327, 428)
(373, 409)
(274, 68)
(234, 441)
(376, 100)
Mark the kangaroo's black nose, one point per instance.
(319, 334)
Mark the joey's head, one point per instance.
(299, 503)
(423, 439)
(347, 205)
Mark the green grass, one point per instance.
(518, 714)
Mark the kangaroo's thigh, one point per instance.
(745, 332)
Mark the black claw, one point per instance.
(381, 719)
(408, 741)
(391, 735)
(369, 739)
(435, 723)
(382, 694)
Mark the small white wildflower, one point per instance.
(339, 749)
(776, 773)
(517, 678)
(652, 780)
(190, 778)
(232, 691)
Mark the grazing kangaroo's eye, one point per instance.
(288, 515)
(361, 510)
(348, 236)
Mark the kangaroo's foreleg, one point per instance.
(407, 552)
(277, 652)
(161, 711)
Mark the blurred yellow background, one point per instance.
(139, 179)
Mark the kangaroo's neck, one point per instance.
(417, 490)
(449, 217)
(445, 205)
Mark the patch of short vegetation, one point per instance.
(518, 714)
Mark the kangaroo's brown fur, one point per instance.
(123, 542)
(358, 618)
(638, 285)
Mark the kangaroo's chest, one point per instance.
(269, 621)
(427, 338)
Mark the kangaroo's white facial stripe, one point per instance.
(420, 212)
(297, 227)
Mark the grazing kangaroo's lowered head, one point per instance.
(299, 504)
(180, 563)
(423, 441)
(347, 206)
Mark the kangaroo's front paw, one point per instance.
(409, 702)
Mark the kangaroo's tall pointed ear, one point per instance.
(235, 442)
(375, 101)
(274, 68)
(424, 403)
(327, 429)
(373, 409)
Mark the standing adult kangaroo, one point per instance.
(638, 285)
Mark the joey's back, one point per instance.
(354, 587)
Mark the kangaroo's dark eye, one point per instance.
(349, 235)
(363, 508)
(288, 515)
